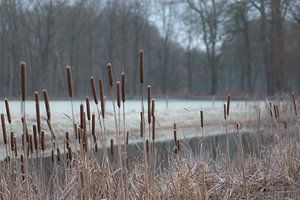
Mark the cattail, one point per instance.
(96, 147)
(112, 146)
(238, 126)
(52, 156)
(70, 81)
(153, 127)
(102, 97)
(88, 108)
(147, 145)
(15, 146)
(118, 94)
(94, 90)
(294, 103)
(12, 141)
(26, 129)
(110, 75)
(177, 146)
(153, 107)
(37, 110)
(3, 129)
(142, 124)
(23, 142)
(201, 116)
(127, 138)
(22, 164)
(23, 80)
(35, 140)
(275, 111)
(149, 103)
(81, 116)
(30, 144)
(93, 124)
(67, 140)
(76, 131)
(7, 111)
(225, 115)
(70, 153)
(175, 133)
(228, 104)
(42, 141)
(285, 125)
(141, 66)
(123, 79)
(58, 154)
(270, 108)
(47, 104)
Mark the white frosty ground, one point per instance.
(185, 113)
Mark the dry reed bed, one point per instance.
(79, 171)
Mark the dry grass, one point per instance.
(86, 168)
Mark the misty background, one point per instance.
(192, 47)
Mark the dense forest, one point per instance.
(192, 47)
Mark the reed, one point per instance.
(7, 108)
(23, 80)
(141, 56)
(70, 81)
(47, 104)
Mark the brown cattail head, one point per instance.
(37, 110)
(149, 103)
(35, 140)
(70, 81)
(127, 138)
(175, 133)
(7, 111)
(3, 129)
(88, 108)
(42, 141)
(76, 131)
(93, 124)
(123, 81)
(153, 127)
(285, 125)
(141, 66)
(52, 156)
(201, 118)
(294, 103)
(81, 116)
(153, 107)
(270, 108)
(23, 80)
(275, 111)
(112, 146)
(30, 144)
(228, 104)
(96, 147)
(110, 75)
(238, 126)
(67, 140)
(177, 146)
(118, 93)
(12, 141)
(47, 104)
(142, 124)
(225, 114)
(94, 90)
(15, 146)
(58, 154)
(147, 145)
(102, 97)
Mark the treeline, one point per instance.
(236, 46)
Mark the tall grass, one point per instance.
(87, 165)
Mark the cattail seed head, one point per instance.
(58, 154)
(42, 141)
(88, 108)
(37, 110)
(175, 133)
(12, 141)
(94, 90)
(118, 93)
(70, 81)
(3, 129)
(225, 114)
(270, 108)
(201, 117)
(30, 144)
(47, 104)
(149, 103)
(228, 104)
(177, 146)
(67, 140)
(141, 53)
(110, 75)
(81, 116)
(15, 146)
(294, 103)
(142, 124)
(153, 127)
(112, 146)
(127, 138)
(153, 107)
(102, 97)
(93, 124)
(147, 145)
(35, 140)
(52, 156)
(123, 79)
(8, 113)
(23, 80)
